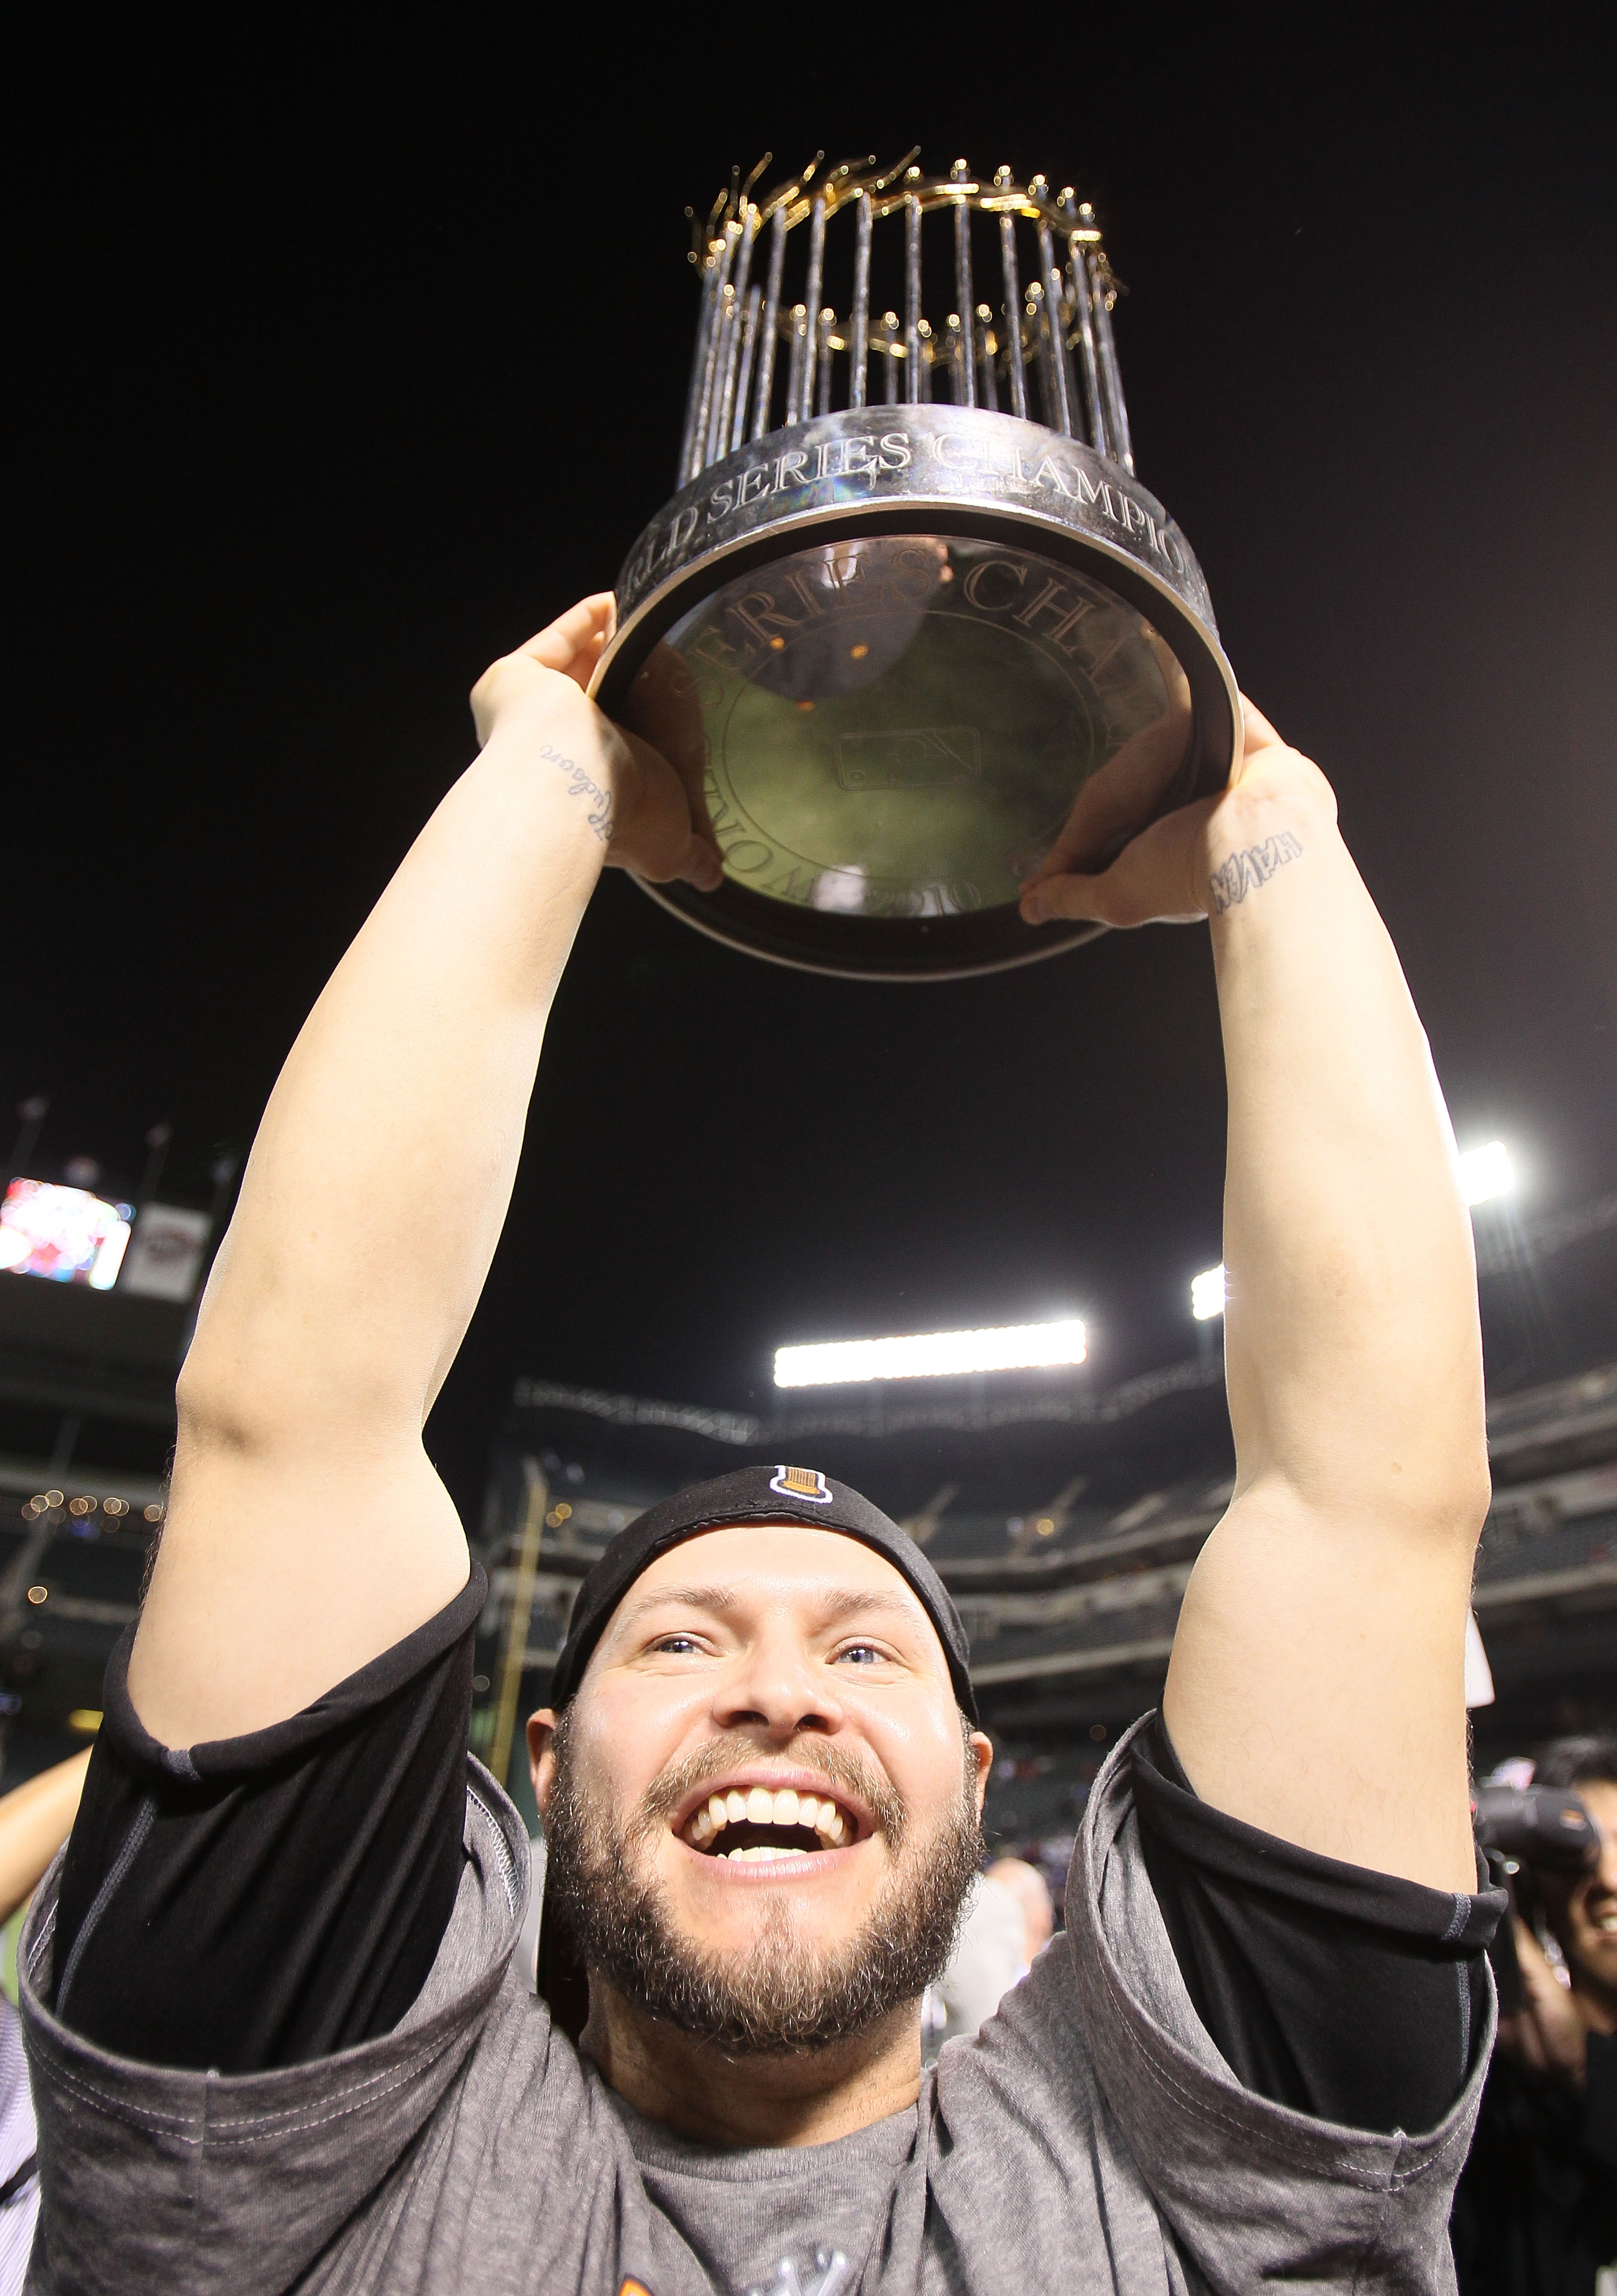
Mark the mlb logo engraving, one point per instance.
(922, 756)
(801, 1483)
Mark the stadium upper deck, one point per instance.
(1066, 1543)
(1065, 1516)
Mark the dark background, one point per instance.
(350, 356)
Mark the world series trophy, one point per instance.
(911, 624)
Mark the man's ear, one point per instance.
(541, 1754)
(980, 1748)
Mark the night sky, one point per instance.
(348, 358)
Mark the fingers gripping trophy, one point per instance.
(911, 632)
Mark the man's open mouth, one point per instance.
(758, 1826)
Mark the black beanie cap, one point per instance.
(762, 1494)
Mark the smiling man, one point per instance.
(278, 2038)
(762, 1806)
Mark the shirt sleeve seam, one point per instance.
(188, 2128)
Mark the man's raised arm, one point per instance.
(1315, 1687)
(307, 1530)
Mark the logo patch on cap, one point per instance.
(801, 1483)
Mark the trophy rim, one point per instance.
(746, 921)
(681, 901)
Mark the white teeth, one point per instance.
(757, 1806)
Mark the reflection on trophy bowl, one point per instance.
(905, 649)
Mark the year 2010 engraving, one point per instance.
(1235, 878)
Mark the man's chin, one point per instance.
(1598, 1957)
(769, 1971)
(809, 1931)
(836, 1892)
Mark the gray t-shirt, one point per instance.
(1089, 2137)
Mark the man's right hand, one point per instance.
(657, 821)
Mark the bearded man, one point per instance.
(278, 2038)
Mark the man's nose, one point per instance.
(780, 1685)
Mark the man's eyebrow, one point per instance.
(834, 1603)
(849, 1600)
(685, 1598)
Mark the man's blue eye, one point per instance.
(863, 1650)
(680, 1642)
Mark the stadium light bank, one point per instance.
(931, 1354)
(1487, 1172)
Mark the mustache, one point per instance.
(839, 1767)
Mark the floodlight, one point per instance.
(1207, 1293)
(931, 1355)
(1486, 1172)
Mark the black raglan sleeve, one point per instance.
(263, 1900)
(1346, 1994)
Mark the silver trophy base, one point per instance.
(904, 653)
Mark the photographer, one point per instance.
(277, 2036)
(1536, 2212)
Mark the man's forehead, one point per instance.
(725, 1563)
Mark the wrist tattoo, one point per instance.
(579, 784)
(1237, 876)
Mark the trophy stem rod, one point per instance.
(821, 362)
(966, 382)
(699, 364)
(1013, 316)
(723, 410)
(797, 410)
(985, 358)
(912, 301)
(859, 332)
(724, 254)
(890, 363)
(1082, 300)
(797, 364)
(1055, 342)
(1122, 446)
(749, 351)
(769, 325)
(724, 378)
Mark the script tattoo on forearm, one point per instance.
(1237, 876)
(579, 784)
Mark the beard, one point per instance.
(781, 1995)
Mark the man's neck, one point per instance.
(808, 2098)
